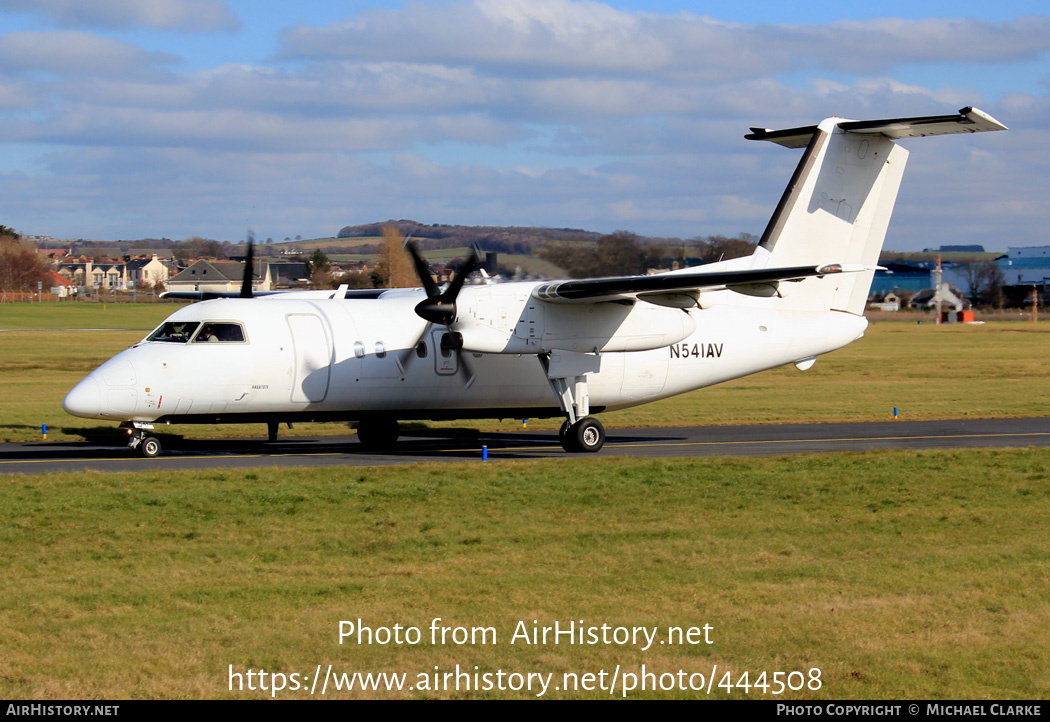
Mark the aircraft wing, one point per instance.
(659, 287)
(208, 295)
(337, 293)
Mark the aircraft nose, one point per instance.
(85, 400)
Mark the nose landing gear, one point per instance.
(146, 445)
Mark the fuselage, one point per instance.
(317, 358)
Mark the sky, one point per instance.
(127, 119)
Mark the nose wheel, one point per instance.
(147, 446)
(150, 447)
(141, 441)
(585, 436)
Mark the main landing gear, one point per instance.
(580, 432)
(378, 433)
(271, 430)
(586, 435)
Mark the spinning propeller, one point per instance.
(439, 307)
(249, 264)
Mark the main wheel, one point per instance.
(149, 447)
(378, 433)
(586, 435)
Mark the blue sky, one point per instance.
(174, 118)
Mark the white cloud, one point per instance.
(561, 37)
(73, 53)
(16, 95)
(551, 112)
(181, 15)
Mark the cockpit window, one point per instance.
(174, 331)
(216, 332)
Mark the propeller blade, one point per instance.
(422, 270)
(249, 263)
(442, 307)
(460, 278)
(464, 368)
(410, 355)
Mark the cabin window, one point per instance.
(359, 349)
(380, 349)
(174, 331)
(220, 332)
(421, 349)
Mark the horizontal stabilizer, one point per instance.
(968, 120)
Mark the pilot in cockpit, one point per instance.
(207, 334)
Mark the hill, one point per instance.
(523, 240)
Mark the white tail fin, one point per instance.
(837, 207)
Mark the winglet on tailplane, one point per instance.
(838, 204)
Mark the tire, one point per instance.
(149, 447)
(378, 433)
(587, 436)
(567, 439)
(562, 431)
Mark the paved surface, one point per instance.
(763, 440)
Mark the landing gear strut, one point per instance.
(271, 430)
(579, 433)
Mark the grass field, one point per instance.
(898, 575)
(904, 575)
(926, 371)
(84, 315)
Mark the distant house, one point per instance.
(109, 276)
(289, 274)
(145, 272)
(885, 302)
(943, 297)
(75, 272)
(85, 274)
(60, 285)
(53, 253)
(211, 275)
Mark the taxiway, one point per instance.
(442, 445)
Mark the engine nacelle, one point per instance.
(497, 321)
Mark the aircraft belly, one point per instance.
(496, 381)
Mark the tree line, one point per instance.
(21, 267)
(623, 253)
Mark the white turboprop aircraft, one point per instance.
(534, 349)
